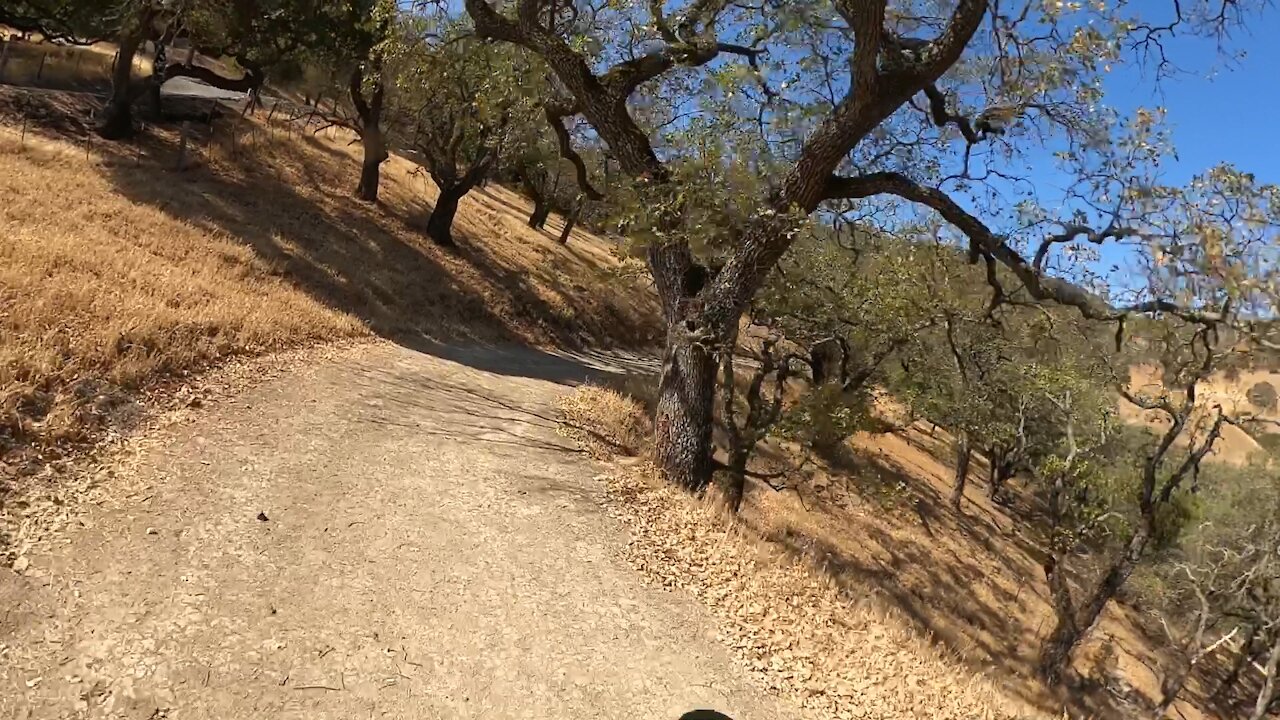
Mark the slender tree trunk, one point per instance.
(999, 468)
(117, 115)
(1073, 626)
(1223, 693)
(375, 153)
(533, 187)
(542, 203)
(828, 361)
(1267, 695)
(541, 211)
(964, 454)
(569, 222)
(1170, 687)
(682, 426)
(440, 224)
(736, 489)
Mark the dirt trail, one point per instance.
(431, 548)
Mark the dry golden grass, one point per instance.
(867, 571)
(832, 652)
(119, 274)
(973, 584)
(606, 422)
(832, 649)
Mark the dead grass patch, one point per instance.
(606, 422)
(120, 274)
(833, 653)
(956, 605)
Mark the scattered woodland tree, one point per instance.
(472, 98)
(550, 171)
(829, 296)
(1234, 590)
(1092, 488)
(844, 133)
(841, 172)
(128, 23)
(1218, 592)
(363, 36)
(252, 36)
(843, 128)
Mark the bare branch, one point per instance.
(987, 242)
(555, 118)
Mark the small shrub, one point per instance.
(1263, 396)
(1270, 442)
(1175, 518)
(606, 422)
(827, 417)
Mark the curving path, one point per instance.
(402, 535)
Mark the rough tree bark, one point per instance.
(440, 224)
(116, 122)
(682, 422)
(964, 454)
(372, 139)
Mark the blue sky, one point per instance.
(1222, 107)
(1222, 110)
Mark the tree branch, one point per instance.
(942, 117)
(1035, 283)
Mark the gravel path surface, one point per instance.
(395, 535)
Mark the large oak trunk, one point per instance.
(116, 122)
(440, 224)
(682, 426)
(375, 153)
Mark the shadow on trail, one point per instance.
(940, 578)
(463, 407)
(568, 367)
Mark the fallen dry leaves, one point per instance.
(829, 653)
(832, 655)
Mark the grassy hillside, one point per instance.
(858, 586)
(119, 273)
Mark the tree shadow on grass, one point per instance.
(286, 194)
(275, 194)
(940, 578)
